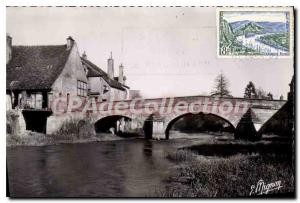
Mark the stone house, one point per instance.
(104, 85)
(36, 75)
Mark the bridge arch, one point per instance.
(104, 124)
(175, 118)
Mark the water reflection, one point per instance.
(130, 168)
(148, 148)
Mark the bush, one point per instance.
(227, 177)
(71, 131)
(75, 129)
(181, 156)
(28, 138)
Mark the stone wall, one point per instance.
(54, 122)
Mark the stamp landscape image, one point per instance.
(150, 102)
(249, 32)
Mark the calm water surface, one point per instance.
(124, 168)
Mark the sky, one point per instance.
(165, 51)
(256, 16)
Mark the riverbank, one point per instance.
(29, 138)
(151, 168)
(229, 176)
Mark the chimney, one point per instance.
(121, 74)
(70, 42)
(8, 48)
(110, 66)
(84, 56)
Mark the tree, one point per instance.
(221, 86)
(270, 96)
(250, 91)
(261, 94)
(281, 97)
(134, 94)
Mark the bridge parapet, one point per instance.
(166, 110)
(165, 103)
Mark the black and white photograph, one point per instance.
(150, 102)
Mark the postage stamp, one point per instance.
(261, 32)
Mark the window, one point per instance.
(34, 100)
(81, 88)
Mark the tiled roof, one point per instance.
(35, 67)
(95, 71)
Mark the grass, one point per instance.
(230, 148)
(199, 176)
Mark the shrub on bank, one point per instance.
(181, 156)
(28, 138)
(227, 177)
(75, 129)
(71, 131)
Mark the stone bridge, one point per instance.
(155, 117)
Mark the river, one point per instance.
(253, 43)
(121, 168)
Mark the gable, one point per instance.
(73, 71)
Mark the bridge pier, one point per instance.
(245, 129)
(154, 128)
(148, 129)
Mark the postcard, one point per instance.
(150, 102)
